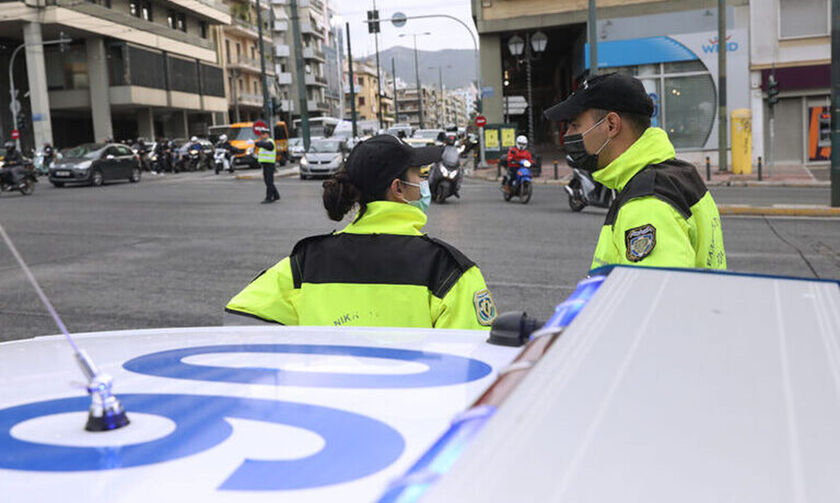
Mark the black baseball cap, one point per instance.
(614, 92)
(374, 163)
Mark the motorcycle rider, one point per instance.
(224, 144)
(49, 155)
(12, 166)
(162, 153)
(517, 153)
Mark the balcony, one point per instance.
(245, 28)
(311, 29)
(249, 99)
(287, 105)
(283, 78)
(312, 80)
(281, 26)
(282, 50)
(250, 65)
(320, 106)
(313, 53)
(279, 2)
(315, 4)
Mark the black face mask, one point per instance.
(576, 153)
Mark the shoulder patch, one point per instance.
(639, 242)
(485, 308)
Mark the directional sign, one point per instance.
(515, 105)
(260, 127)
(480, 121)
(15, 134)
(398, 19)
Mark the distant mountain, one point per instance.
(460, 61)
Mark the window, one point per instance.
(146, 11)
(803, 18)
(170, 18)
(361, 101)
(256, 91)
(202, 28)
(182, 22)
(134, 8)
(227, 50)
(241, 85)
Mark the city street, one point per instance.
(171, 250)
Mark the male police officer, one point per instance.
(663, 215)
(267, 156)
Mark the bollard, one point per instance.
(708, 169)
(759, 168)
(555, 169)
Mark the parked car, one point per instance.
(426, 137)
(325, 157)
(95, 164)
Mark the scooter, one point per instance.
(221, 161)
(521, 185)
(446, 175)
(28, 181)
(583, 191)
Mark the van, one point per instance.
(241, 135)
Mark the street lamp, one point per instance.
(530, 49)
(417, 74)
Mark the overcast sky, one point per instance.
(445, 33)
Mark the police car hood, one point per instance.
(243, 413)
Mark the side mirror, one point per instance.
(513, 328)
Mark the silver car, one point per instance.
(324, 158)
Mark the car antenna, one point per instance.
(106, 412)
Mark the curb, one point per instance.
(792, 211)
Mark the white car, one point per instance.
(324, 158)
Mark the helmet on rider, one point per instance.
(194, 139)
(223, 138)
(522, 142)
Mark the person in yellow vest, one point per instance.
(266, 157)
(663, 214)
(381, 269)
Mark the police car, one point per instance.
(646, 385)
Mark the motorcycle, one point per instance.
(583, 191)
(221, 161)
(27, 185)
(446, 175)
(521, 185)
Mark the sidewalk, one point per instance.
(783, 176)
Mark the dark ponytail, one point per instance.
(340, 195)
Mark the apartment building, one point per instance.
(366, 89)
(411, 108)
(240, 56)
(315, 29)
(133, 68)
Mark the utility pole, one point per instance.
(267, 112)
(352, 83)
(722, 86)
(442, 105)
(378, 71)
(419, 94)
(396, 101)
(835, 103)
(234, 73)
(593, 44)
(301, 73)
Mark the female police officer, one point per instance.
(380, 270)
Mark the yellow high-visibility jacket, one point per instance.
(663, 215)
(378, 271)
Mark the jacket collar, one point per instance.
(651, 148)
(386, 217)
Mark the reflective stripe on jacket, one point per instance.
(379, 271)
(663, 216)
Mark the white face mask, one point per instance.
(425, 195)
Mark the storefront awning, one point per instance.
(639, 51)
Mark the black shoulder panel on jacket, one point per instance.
(674, 182)
(378, 259)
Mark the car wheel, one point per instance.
(58, 184)
(135, 175)
(96, 179)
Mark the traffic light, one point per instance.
(772, 90)
(373, 26)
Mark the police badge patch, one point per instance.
(485, 309)
(639, 242)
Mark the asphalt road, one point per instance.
(172, 250)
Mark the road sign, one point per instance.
(480, 121)
(398, 19)
(260, 127)
(515, 105)
(487, 92)
(15, 134)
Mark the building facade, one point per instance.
(133, 68)
(672, 47)
(240, 56)
(410, 107)
(365, 90)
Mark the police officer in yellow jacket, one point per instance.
(663, 214)
(380, 270)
